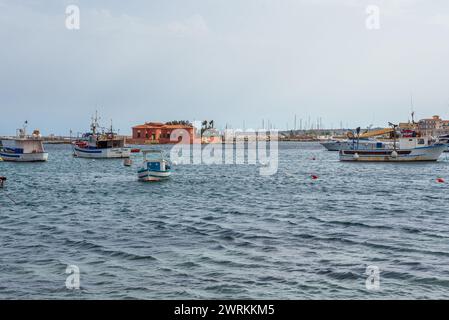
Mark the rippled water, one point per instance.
(225, 231)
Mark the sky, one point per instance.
(238, 62)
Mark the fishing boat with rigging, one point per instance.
(23, 147)
(104, 145)
(405, 148)
(363, 141)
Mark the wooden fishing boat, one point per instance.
(155, 166)
(103, 145)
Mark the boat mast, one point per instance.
(94, 124)
(111, 131)
(22, 132)
(394, 126)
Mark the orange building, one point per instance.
(157, 132)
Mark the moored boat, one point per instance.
(23, 148)
(155, 166)
(409, 149)
(103, 145)
(352, 144)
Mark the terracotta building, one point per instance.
(157, 132)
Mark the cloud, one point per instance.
(192, 26)
(224, 60)
(440, 20)
(102, 21)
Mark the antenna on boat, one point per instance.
(22, 132)
(412, 109)
(394, 126)
(94, 126)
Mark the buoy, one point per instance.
(440, 180)
(2, 181)
(175, 163)
(394, 154)
(356, 156)
(313, 158)
(127, 162)
(314, 177)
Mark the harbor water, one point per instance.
(224, 231)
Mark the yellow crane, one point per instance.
(373, 133)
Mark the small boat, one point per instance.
(408, 149)
(155, 166)
(103, 145)
(352, 144)
(2, 181)
(23, 148)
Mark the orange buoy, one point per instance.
(440, 180)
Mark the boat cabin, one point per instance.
(112, 143)
(154, 160)
(413, 142)
(23, 146)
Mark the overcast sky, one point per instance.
(227, 60)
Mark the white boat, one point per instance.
(407, 149)
(23, 148)
(103, 145)
(352, 144)
(155, 166)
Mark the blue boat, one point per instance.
(155, 166)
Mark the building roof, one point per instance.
(159, 125)
(149, 125)
(176, 126)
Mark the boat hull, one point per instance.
(430, 153)
(24, 157)
(150, 175)
(109, 153)
(335, 146)
(352, 145)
